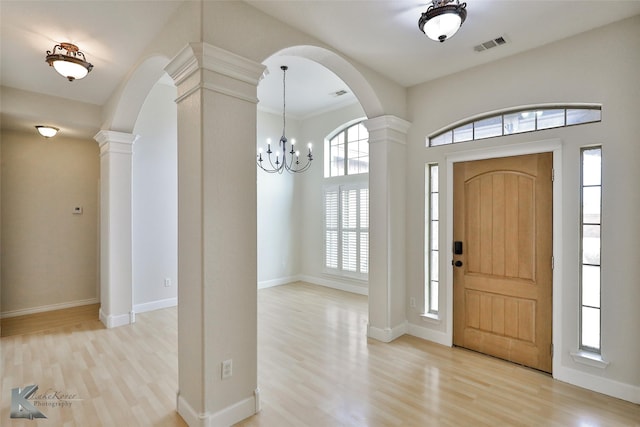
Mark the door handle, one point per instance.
(458, 263)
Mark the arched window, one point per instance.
(513, 121)
(347, 152)
(346, 202)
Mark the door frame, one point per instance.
(541, 146)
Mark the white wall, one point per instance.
(599, 66)
(279, 225)
(154, 201)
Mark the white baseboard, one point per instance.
(188, 414)
(429, 334)
(155, 305)
(223, 418)
(335, 284)
(115, 320)
(50, 307)
(598, 384)
(277, 282)
(387, 334)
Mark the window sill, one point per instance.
(590, 359)
(431, 318)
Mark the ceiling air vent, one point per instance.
(490, 44)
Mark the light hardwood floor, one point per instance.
(316, 368)
(40, 322)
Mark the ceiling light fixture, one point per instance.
(47, 131)
(283, 162)
(73, 65)
(442, 19)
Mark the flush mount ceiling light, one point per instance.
(47, 131)
(73, 65)
(442, 19)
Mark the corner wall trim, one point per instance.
(50, 307)
(155, 305)
(387, 334)
(189, 414)
(438, 337)
(225, 417)
(277, 282)
(113, 321)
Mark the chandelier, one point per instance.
(285, 158)
(73, 65)
(442, 19)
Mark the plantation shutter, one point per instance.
(331, 213)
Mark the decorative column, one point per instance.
(387, 197)
(116, 295)
(217, 233)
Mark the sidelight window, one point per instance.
(431, 239)
(590, 248)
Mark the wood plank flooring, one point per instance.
(40, 322)
(316, 368)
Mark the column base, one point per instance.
(387, 334)
(223, 418)
(115, 320)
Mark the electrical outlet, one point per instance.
(412, 302)
(227, 368)
(167, 282)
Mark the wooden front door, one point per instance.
(502, 279)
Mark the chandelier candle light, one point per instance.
(290, 163)
(442, 19)
(73, 65)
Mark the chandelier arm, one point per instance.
(277, 166)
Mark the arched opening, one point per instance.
(128, 124)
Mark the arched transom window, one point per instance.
(513, 121)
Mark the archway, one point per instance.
(209, 269)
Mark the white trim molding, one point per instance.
(433, 335)
(387, 334)
(197, 57)
(341, 285)
(225, 417)
(589, 359)
(155, 305)
(113, 321)
(264, 284)
(628, 392)
(360, 289)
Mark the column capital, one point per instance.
(186, 70)
(387, 129)
(111, 141)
